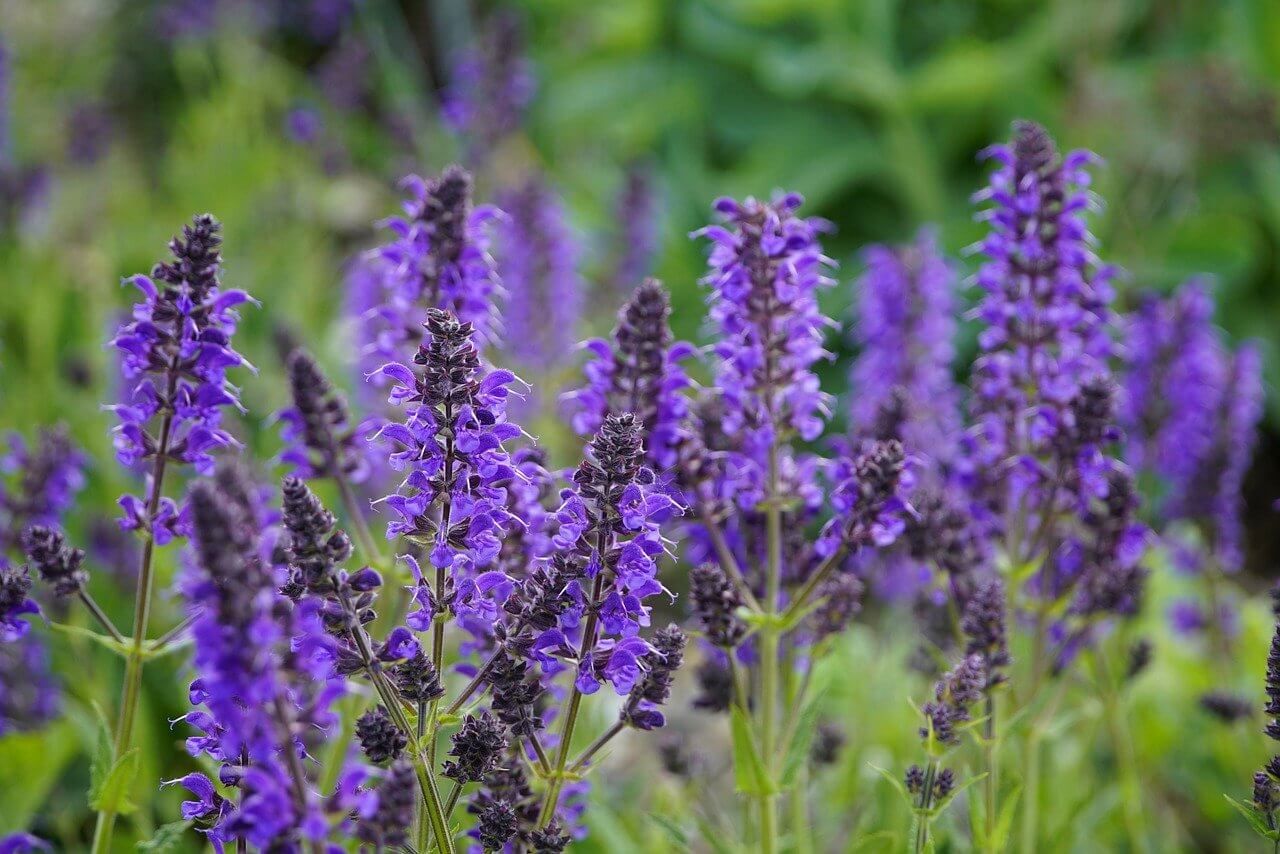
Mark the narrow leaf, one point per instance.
(749, 773)
(167, 838)
(801, 741)
(111, 792)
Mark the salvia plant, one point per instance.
(445, 655)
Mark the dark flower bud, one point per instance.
(416, 679)
(914, 779)
(1139, 658)
(196, 258)
(496, 825)
(677, 758)
(388, 826)
(549, 840)
(477, 748)
(839, 601)
(58, 563)
(365, 580)
(1033, 148)
(654, 687)
(983, 623)
(379, 737)
(827, 743)
(715, 686)
(15, 585)
(944, 784)
(1264, 792)
(515, 694)
(1225, 706)
(715, 599)
(320, 424)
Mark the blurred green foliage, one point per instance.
(874, 110)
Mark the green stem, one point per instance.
(926, 800)
(426, 780)
(101, 616)
(769, 659)
(605, 737)
(1130, 784)
(141, 613)
(990, 784)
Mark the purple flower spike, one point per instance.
(1046, 310)
(438, 258)
(451, 446)
(902, 382)
(766, 269)
(266, 676)
(639, 372)
(539, 270)
(491, 87)
(175, 352)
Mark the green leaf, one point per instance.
(109, 792)
(1004, 822)
(1255, 820)
(166, 838)
(720, 841)
(881, 840)
(37, 760)
(673, 830)
(749, 773)
(897, 783)
(122, 649)
(801, 739)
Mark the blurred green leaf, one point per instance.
(750, 775)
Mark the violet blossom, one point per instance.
(438, 258)
(175, 352)
(539, 270)
(902, 383)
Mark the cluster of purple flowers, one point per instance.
(539, 271)
(262, 700)
(640, 372)
(491, 88)
(1191, 415)
(905, 331)
(175, 351)
(1047, 330)
(438, 258)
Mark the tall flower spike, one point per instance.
(175, 352)
(322, 441)
(451, 443)
(638, 372)
(1266, 782)
(438, 258)
(636, 213)
(265, 675)
(539, 271)
(611, 517)
(905, 331)
(1046, 309)
(766, 269)
(1213, 494)
(1175, 366)
(491, 87)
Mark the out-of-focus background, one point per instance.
(292, 121)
